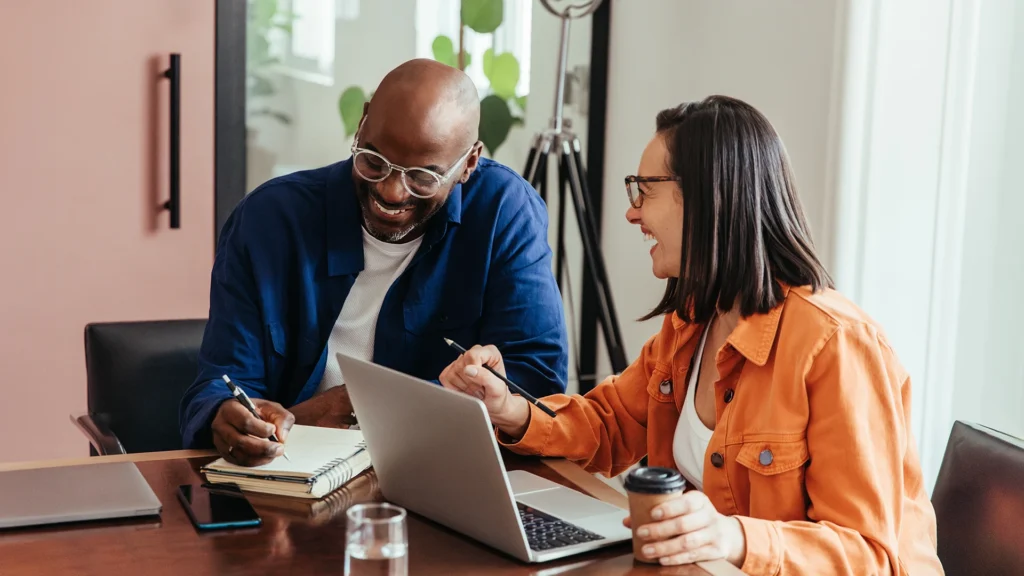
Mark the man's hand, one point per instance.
(241, 438)
(332, 409)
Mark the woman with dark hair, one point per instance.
(780, 401)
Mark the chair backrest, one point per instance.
(979, 502)
(137, 374)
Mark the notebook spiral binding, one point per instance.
(338, 471)
(365, 489)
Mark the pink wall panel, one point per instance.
(83, 165)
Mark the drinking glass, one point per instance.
(376, 540)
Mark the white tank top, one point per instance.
(692, 437)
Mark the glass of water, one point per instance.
(377, 541)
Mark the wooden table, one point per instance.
(295, 537)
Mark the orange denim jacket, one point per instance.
(812, 449)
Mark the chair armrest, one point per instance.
(99, 434)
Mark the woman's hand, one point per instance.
(467, 374)
(689, 529)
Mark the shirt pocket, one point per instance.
(305, 351)
(660, 385)
(776, 470)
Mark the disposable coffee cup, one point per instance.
(647, 488)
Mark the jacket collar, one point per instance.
(345, 221)
(753, 336)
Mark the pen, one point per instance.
(507, 382)
(244, 400)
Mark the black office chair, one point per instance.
(137, 374)
(979, 502)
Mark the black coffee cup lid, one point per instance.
(654, 480)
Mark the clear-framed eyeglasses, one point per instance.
(420, 182)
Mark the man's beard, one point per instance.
(423, 209)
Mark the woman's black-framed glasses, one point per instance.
(635, 194)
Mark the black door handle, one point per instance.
(174, 203)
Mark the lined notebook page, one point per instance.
(310, 448)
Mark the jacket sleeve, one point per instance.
(604, 431)
(523, 314)
(858, 439)
(232, 341)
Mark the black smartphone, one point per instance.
(217, 507)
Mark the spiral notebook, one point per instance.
(362, 488)
(321, 460)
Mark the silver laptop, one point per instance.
(435, 454)
(74, 493)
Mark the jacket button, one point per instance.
(765, 457)
(728, 395)
(665, 387)
(717, 460)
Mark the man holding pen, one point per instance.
(412, 240)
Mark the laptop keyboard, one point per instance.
(545, 532)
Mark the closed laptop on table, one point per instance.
(74, 493)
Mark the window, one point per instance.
(437, 17)
(308, 51)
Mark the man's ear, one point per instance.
(471, 161)
(362, 119)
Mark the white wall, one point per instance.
(778, 56)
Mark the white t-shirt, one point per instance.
(690, 443)
(356, 326)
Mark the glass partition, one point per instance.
(311, 64)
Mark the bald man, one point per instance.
(412, 239)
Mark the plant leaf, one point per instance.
(495, 122)
(483, 16)
(504, 75)
(258, 48)
(263, 12)
(488, 62)
(466, 60)
(521, 101)
(444, 50)
(350, 106)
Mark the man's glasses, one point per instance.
(635, 194)
(420, 182)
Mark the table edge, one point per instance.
(136, 457)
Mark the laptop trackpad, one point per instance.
(567, 504)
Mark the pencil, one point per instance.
(512, 386)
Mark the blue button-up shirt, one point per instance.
(291, 250)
